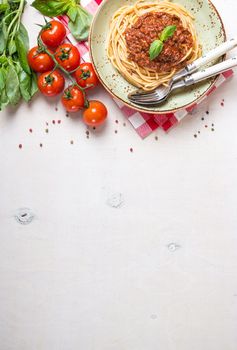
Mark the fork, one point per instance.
(190, 80)
(160, 94)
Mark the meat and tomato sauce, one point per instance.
(149, 28)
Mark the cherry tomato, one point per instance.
(40, 61)
(68, 56)
(95, 114)
(51, 83)
(73, 99)
(86, 76)
(53, 33)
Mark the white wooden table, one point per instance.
(121, 250)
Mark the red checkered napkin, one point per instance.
(143, 123)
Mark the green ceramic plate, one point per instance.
(211, 33)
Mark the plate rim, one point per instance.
(140, 109)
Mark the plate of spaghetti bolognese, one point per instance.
(143, 44)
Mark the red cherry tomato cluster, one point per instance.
(54, 59)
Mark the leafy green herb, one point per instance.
(3, 37)
(155, 49)
(12, 47)
(3, 7)
(4, 101)
(16, 78)
(12, 86)
(81, 25)
(34, 86)
(2, 78)
(157, 45)
(22, 45)
(25, 85)
(72, 13)
(79, 17)
(167, 33)
(53, 8)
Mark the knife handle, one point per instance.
(211, 71)
(212, 55)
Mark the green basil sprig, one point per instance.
(167, 33)
(17, 81)
(157, 45)
(155, 49)
(79, 18)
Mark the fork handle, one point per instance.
(212, 55)
(211, 71)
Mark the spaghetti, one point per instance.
(132, 31)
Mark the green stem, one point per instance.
(21, 9)
(11, 24)
(9, 14)
(73, 71)
(16, 20)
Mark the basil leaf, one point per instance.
(11, 47)
(28, 83)
(3, 7)
(2, 78)
(167, 33)
(155, 49)
(18, 68)
(22, 45)
(12, 86)
(24, 36)
(3, 99)
(34, 85)
(25, 85)
(53, 8)
(72, 13)
(81, 26)
(3, 59)
(3, 37)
